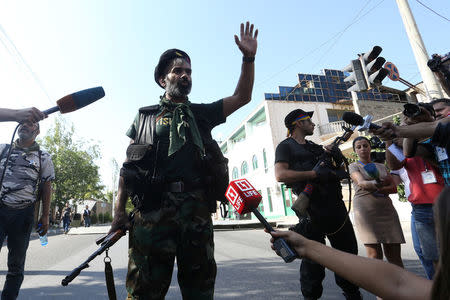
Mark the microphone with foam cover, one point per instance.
(355, 119)
(76, 100)
(245, 198)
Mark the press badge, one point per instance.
(428, 177)
(441, 153)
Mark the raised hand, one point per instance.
(386, 132)
(247, 42)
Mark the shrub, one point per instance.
(108, 217)
(94, 219)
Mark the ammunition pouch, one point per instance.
(137, 173)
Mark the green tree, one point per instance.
(76, 174)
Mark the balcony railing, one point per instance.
(330, 128)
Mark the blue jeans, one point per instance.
(426, 263)
(16, 224)
(87, 221)
(423, 215)
(66, 223)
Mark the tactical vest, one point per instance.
(140, 173)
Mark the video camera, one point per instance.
(377, 156)
(441, 64)
(412, 110)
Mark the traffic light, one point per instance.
(373, 67)
(368, 71)
(357, 76)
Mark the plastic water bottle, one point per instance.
(42, 238)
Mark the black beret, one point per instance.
(294, 115)
(165, 58)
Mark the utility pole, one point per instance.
(432, 86)
(115, 172)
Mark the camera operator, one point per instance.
(440, 65)
(296, 164)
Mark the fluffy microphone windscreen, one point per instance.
(372, 170)
(80, 99)
(352, 118)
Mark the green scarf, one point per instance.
(33, 147)
(182, 120)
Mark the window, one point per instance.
(261, 204)
(255, 162)
(265, 161)
(234, 173)
(269, 198)
(244, 168)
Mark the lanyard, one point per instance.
(363, 164)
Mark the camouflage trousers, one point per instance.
(182, 228)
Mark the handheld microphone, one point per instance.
(244, 198)
(372, 171)
(76, 100)
(355, 119)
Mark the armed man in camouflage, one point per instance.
(29, 172)
(174, 220)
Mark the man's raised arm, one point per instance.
(243, 94)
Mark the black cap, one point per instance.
(296, 114)
(164, 60)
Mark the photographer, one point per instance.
(296, 164)
(424, 182)
(441, 68)
(438, 130)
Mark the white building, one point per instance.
(250, 148)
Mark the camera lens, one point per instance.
(411, 110)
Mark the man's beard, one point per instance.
(178, 90)
(25, 136)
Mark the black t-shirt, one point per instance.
(326, 197)
(183, 164)
(67, 212)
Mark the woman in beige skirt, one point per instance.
(376, 219)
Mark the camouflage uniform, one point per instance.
(21, 177)
(181, 228)
(178, 224)
(18, 193)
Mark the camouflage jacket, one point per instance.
(20, 184)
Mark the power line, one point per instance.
(16, 53)
(338, 36)
(433, 11)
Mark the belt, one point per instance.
(182, 186)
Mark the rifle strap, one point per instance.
(109, 277)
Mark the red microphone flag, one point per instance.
(243, 196)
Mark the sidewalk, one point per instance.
(283, 222)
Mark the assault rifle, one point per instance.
(105, 243)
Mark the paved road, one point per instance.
(247, 269)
